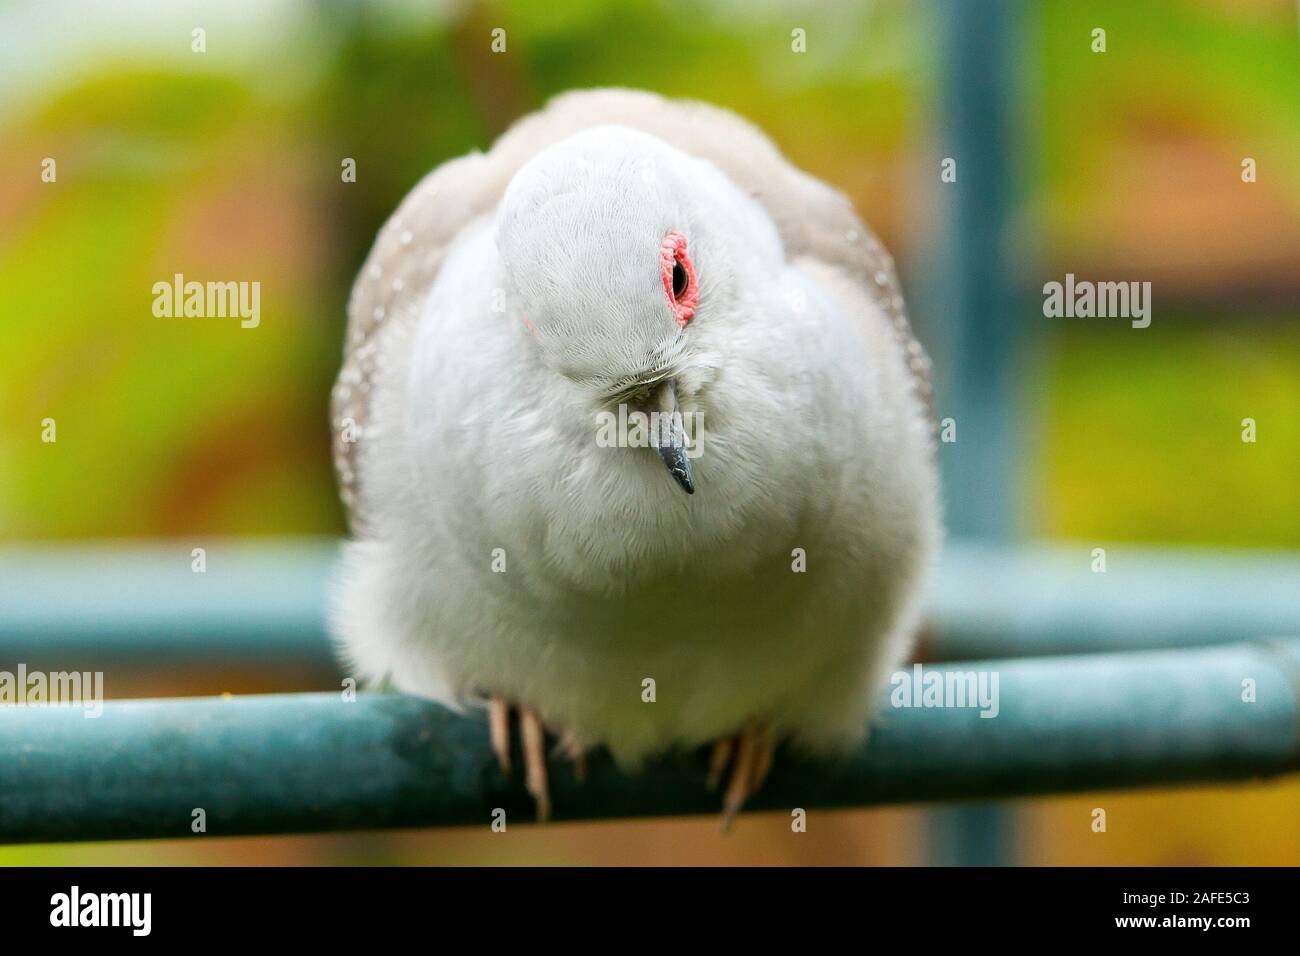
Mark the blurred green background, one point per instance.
(226, 165)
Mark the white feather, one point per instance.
(480, 441)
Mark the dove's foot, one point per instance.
(533, 741)
(749, 755)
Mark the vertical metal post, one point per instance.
(979, 330)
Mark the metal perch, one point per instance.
(315, 762)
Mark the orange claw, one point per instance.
(499, 730)
(754, 749)
(534, 740)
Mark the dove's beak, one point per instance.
(670, 437)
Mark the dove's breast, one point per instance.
(518, 556)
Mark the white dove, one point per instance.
(620, 249)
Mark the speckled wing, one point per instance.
(390, 289)
(812, 219)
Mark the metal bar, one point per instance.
(984, 329)
(980, 333)
(991, 601)
(262, 602)
(90, 605)
(315, 762)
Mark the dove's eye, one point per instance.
(678, 272)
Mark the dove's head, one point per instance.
(616, 246)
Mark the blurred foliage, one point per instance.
(1226, 72)
(1142, 433)
(1141, 147)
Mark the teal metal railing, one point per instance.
(264, 602)
(318, 762)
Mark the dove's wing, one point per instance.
(392, 284)
(812, 219)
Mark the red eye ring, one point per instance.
(672, 254)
